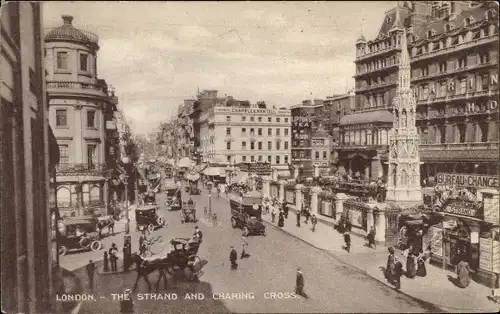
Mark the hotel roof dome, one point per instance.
(67, 32)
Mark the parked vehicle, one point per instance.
(148, 217)
(79, 234)
(246, 212)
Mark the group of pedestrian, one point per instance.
(415, 266)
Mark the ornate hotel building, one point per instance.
(453, 47)
(242, 134)
(81, 114)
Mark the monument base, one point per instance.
(405, 198)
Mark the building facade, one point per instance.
(185, 130)
(241, 134)
(311, 141)
(25, 162)
(335, 107)
(78, 110)
(454, 60)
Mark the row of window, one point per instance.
(259, 119)
(253, 158)
(460, 63)
(259, 145)
(63, 63)
(365, 137)
(444, 87)
(91, 154)
(62, 118)
(259, 132)
(458, 133)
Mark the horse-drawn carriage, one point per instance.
(147, 217)
(188, 212)
(106, 222)
(79, 234)
(246, 212)
(181, 260)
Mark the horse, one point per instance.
(145, 267)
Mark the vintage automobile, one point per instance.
(188, 212)
(192, 178)
(246, 212)
(78, 234)
(174, 197)
(146, 217)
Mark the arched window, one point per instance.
(467, 21)
(448, 28)
(430, 33)
(63, 197)
(489, 15)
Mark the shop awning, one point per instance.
(54, 155)
(192, 176)
(184, 162)
(212, 171)
(241, 177)
(459, 155)
(382, 116)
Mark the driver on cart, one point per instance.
(197, 236)
(190, 201)
(150, 198)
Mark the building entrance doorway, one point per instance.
(358, 166)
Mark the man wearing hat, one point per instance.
(299, 284)
(233, 256)
(127, 304)
(90, 272)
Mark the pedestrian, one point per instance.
(113, 257)
(299, 284)
(298, 218)
(371, 238)
(106, 262)
(285, 209)
(421, 270)
(198, 235)
(398, 273)
(411, 265)
(111, 226)
(233, 256)
(244, 254)
(347, 240)
(348, 225)
(281, 220)
(142, 243)
(127, 303)
(307, 214)
(90, 273)
(463, 273)
(127, 252)
(314, 221)
(390, 269)
(273, 215)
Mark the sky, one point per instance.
(156, 54)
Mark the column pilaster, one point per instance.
(298, 197)
(314, 198)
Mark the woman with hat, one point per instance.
(390, 267)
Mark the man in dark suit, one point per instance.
(90, 272)
(233, 256)
(299, 284)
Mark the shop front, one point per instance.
(468, 229)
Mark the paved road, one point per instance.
(331, 285)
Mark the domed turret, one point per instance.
(68, 33)
(361, 40)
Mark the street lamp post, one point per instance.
(125, 161)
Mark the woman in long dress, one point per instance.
(281, 220)
(463, 272)
(411, 265)
(421, 270)
(390, 269)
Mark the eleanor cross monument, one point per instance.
(403, 186)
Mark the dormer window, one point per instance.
(430, 33)
(448, 28)
(388, 20)
(467, 21)
(490, 15)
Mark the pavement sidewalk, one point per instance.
(435, 288)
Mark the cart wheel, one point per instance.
(84, 243)
(151, 228)
(246, 232)
(161, 221)
(63, 250)
(233, 223)
(96, 246)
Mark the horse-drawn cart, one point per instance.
(188, 212)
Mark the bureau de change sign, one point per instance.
(467, 180)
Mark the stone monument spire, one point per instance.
(403, 186)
